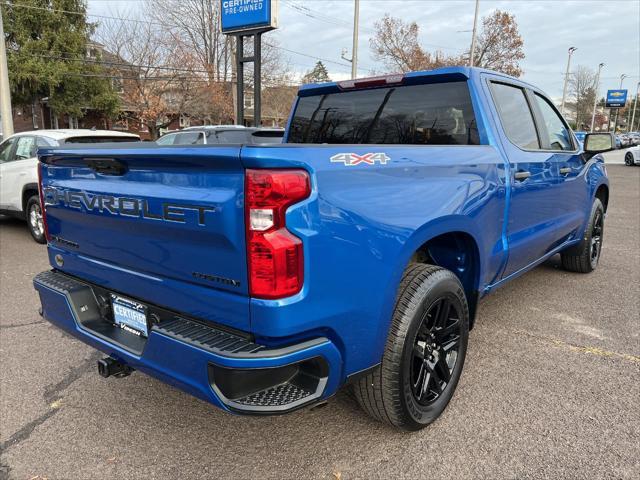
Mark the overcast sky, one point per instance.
(603, 31)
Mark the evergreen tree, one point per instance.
(318, 74)
(46, 56)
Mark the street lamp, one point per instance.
(595, 96)
(615, 123)
(635, 104)
(566, 79)
(622, 77)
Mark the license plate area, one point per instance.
(130, 316)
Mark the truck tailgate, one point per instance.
(174, 214)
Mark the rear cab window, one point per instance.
(428, 114)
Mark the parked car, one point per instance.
(19, 175)
(632, 156)
(618, 141)
(625, 140)
(635, 138)
(222, 134)
(580, 137)
(354, 253)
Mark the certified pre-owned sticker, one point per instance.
(351, 159)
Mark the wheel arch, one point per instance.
(28, 191)
(602, 194)
(454, 245)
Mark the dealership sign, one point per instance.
(616, 98)
(248, 15)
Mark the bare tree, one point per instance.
(197, 24)
(396, 45)
(500, 46)
(582, 92)
(278, 101)
(159, 79)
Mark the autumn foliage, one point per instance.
(499, 46)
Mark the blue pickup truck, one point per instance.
(262, 278)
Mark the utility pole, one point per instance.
(615, 123)
(473, 35)
(5, 90)
(635, 104)
(354, 49)
(595, 98)
(566, 79)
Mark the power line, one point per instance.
(162, 24)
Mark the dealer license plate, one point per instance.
(129, 315)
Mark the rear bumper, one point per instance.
(224, 368)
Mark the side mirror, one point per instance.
(599, 142)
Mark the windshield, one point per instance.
(432, 114)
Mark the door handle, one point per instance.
(565, 171)
(521, 175)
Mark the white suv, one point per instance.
(19, 169)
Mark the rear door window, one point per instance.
(516, 116)
(25, 148)
(432, 114)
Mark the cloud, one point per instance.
(603, 30)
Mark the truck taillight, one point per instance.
(42, 205)
(274, 254)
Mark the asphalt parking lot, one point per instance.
(551, 389)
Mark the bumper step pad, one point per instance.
(284, 394)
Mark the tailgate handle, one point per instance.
(107, 166)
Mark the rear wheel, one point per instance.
(628, 159)
(35, 220)
(584, 257)
(424, 353)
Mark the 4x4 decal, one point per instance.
(351, 159)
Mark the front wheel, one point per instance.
(628, 159)
(35, 220)
(424, 353)
(584, 257)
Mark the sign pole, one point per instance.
(244, 19)
(257, 76)
(239, 79)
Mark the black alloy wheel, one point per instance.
(597, 229)
(435, 351)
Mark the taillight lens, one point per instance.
(42, 205)
(274, 254)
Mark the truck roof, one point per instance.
(444, 73)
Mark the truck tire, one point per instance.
(424, 352)
(34, 219)
(584, 257)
